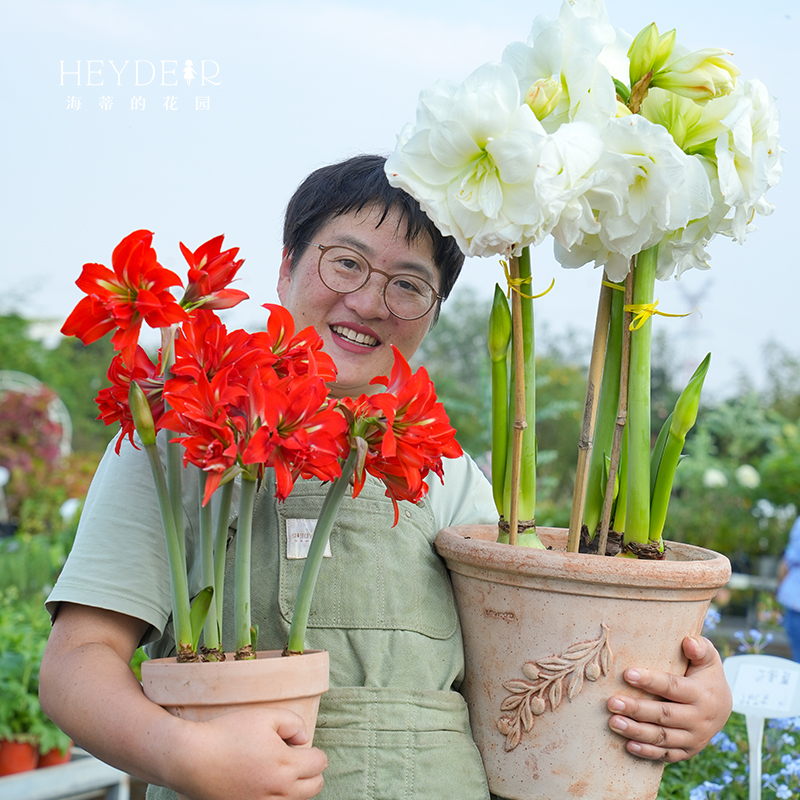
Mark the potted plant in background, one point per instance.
(27, 737)
(633, 154)
(233, 405)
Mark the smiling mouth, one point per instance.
(353, 336)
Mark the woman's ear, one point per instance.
(284, 275)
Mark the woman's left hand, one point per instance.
(688, 710)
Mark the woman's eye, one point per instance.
(348, 265)
(409, 286)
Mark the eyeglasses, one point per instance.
(345, 271)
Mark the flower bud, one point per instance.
(543, 96)
(666, 44)
(699, 76)
(499, 326)
(643, 52)
(685, 413)
(142, 415)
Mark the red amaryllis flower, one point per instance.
(210, 272)
(406, 433)
(113, 401)
(138, 288)
(201, 409)
(298, 354)
(301, 434)
(206, 345)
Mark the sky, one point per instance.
(94, 149)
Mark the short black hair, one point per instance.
(349, 187)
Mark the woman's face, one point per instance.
(358, 328)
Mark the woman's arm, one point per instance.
(90, 692)
(693, 709)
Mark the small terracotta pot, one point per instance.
(547, 636)
(17, 756)
(204, 691)
(54, 757)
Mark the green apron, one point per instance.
(392, 725)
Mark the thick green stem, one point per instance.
(527, 478)
(586, 439)
(174, 469)
(316, 551)
(210, 628)
(607, 410)
(241, 586)
(519, 495)
(175, 556)
(220, 549)
(638, 512)
(174, 458)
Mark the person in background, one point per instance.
(789, 589)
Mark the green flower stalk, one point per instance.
(607, 409)
(174, 465)
(220, 548)
(499, 341)
(143, 420)
(682, 419)
(638, 425)
(319, 541)
(245, 648)
(522, 308)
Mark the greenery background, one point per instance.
(748, 522)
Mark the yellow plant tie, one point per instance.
(643, 312)
(515, 283)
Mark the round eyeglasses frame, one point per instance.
(435, 296)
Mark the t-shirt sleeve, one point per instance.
(119, 559)
(465, 496)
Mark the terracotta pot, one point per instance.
(17, 756)
(204, 691)
(54, 757)
(547, 636)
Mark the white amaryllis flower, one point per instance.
(563, 68)
(668, 190)
(687, 248)
(470, 162)
(748, 154)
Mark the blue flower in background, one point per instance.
(754, 641)
(713, 618)
(724, 743)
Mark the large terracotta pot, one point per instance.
(547, 636)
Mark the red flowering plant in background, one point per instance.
(233, 404)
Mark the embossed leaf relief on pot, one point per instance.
(549, 680)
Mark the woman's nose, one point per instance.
(368, 301)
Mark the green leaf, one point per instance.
(199, 612)
(658, 451)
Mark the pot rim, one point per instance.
(168, 682)
(471, 546)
